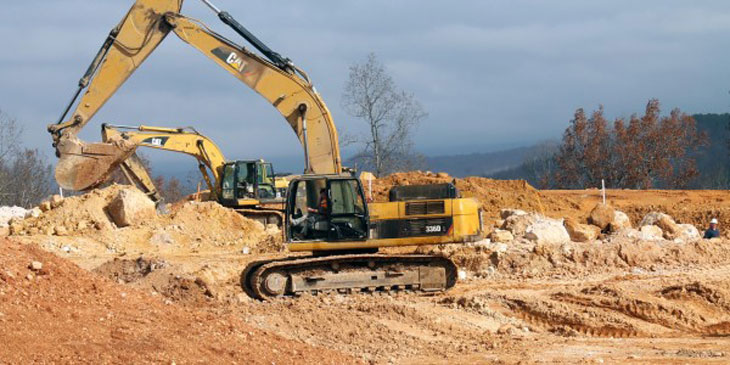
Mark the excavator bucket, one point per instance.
(85, 166)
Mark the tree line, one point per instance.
(640, 152)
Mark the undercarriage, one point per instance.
(347, 274)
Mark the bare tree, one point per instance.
(391, 116)
(25, 177)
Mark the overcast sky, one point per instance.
(491, 74)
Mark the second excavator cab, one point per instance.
(248, 180)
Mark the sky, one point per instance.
(491, 74)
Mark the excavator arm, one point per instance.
(82, 166)
(184, 140)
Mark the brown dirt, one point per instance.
(190, 226)
(65, 314)
(620, 301)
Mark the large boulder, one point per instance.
(581, 232)
(7, 214)
(620, 221)
(518, 223)
(130, 206)
(601, 216)
(665, 222)
(506, 213)
(500, 235)
(547, 231)
(650, 233)
(688, 233)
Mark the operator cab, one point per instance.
(244, 180)
(326, 208)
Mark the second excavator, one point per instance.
(248, 186)
(325, 209)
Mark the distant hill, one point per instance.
(713, 161)
(484, 164)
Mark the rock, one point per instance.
(500, 235)
(161, 238)
(601, 216)
(442, 175)
(507, 329)
(246, 250)
(650, 233)
(130, 206)
(60, 231)
(620, 221)
(581, 232)
(33, 213)
(45, 206)
(665, 222)
(56, 201)
(505, 213)
(688, 233)
(547, 231)
(8, 215)
(518, 223)
(35, 266)
(462, 274)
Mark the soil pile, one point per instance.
(190, 225)
(53, 311)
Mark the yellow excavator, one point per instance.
(325, 209)
(248, 186)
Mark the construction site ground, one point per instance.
(168, 290)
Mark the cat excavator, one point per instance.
(326, 212)
(248, 186)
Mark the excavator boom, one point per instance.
(83, 166)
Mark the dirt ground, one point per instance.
(134, 294)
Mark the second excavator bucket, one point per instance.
(85, 166)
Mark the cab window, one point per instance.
(227, 185)
(346, 198)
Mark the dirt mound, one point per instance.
(61, 313)
(525, 259)
(159, 277)
(694, 207)
(192, 225)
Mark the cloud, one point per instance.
(489, 73)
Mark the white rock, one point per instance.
(130, 206)
(33, 213)
(620, 221)
(506, 213)
(500, 235)
(688, 233)
(650, 233)
(547, 231)
(246, 250)
(8, 213)
(518, 223)
(462, 274)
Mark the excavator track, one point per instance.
(347, 273)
